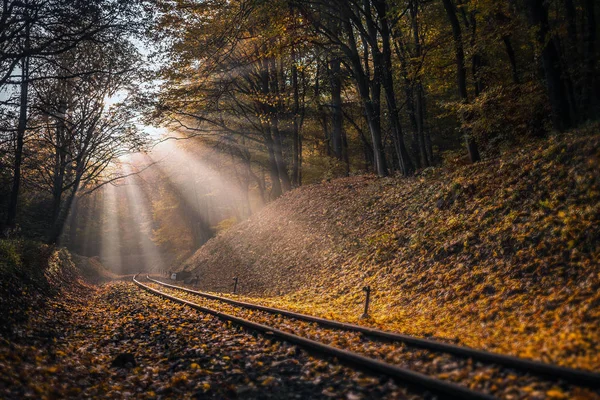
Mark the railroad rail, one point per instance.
(441, 387)
(571, 375)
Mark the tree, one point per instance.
(553, 73)
(81, 134)
(461, 72)
(31, 34)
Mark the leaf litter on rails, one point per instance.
(70, 350)
(491, 379)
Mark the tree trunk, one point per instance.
(19, 143)
(60, 159)
(409, 94)
(406, 165)
(273, 169)
(366, 146)
(538, 19)
(346, 156)
(73, 224)
(299, 137)
(510, 52)
(476, 61)
(419, 97)
(279, 158)
(591, 89)
(59, 223)
(296, 146)
(369, 100)
(276, 132)
(461, 73)
(266, 131)
(336, 107)
(57, 185)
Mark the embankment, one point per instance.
(502, 255)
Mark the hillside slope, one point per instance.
(33, 274)
(502, 255)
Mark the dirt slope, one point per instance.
(32, 274)
(501, 255)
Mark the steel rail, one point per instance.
(567, 374)
(447, 389)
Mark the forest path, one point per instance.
(122, 342)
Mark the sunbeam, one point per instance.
(141, 211)
(110, 249)
(187, 172)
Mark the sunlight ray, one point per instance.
(110, 250)
(141, 212)
(188, 174)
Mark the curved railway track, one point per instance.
(440, 386)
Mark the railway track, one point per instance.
(370, 349)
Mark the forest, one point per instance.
(269, 96)
(440, 153)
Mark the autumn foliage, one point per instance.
(502, 255)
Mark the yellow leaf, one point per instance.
(268, 381)
(556, 393)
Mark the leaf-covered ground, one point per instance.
(30, 273)
(500, 382)
(502, 255)
(121, 342)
